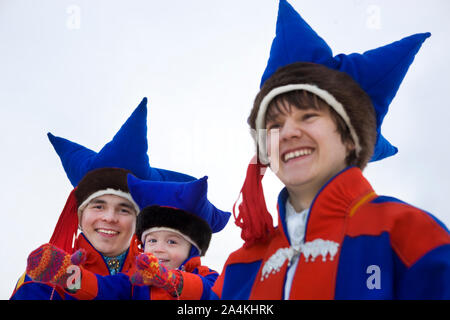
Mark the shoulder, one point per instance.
(26, 289)
(413, 232)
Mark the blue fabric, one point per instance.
(35, 291)
(357, 255)
(189, 196)
(243, 277)
(127, 150)
(117, 287)
(428, 278)
(379, 72)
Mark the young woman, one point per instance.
(336, 238)
(317, 123)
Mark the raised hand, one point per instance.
(51, 264)
(150, 272)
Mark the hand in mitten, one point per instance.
(150, 272)
(50, 264)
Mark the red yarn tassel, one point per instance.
(254, 218)
(66, 228)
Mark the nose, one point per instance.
(158, 247)
(290, 129)
(109, 215)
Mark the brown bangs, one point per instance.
(300, 99)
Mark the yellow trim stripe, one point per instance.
(20, 281)
(363, 200)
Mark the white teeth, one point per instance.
(297, 153)
(107, 231)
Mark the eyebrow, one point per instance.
(97, 201)
(122, 204)
(127, 205)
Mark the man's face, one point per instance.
(170, 248)
(109, 222)
(310, 149)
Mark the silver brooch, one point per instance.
(310, 249)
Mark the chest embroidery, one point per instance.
(310, 249)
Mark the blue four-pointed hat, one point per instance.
(188, 196)
(127, 150)
(379, 72)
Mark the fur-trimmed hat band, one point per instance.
(108, 191)
(185, 237)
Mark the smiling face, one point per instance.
(108, 222)
(309, 148)
(170, 248)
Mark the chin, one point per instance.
(296, 179)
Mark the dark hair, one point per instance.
(355, 100)
(101, 179)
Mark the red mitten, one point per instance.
(151, 273)
(49, 264)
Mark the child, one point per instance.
(175, 227)
(336, 238)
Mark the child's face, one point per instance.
(170, 248)
(306, 150)
(108, 222)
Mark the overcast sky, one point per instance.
(79, 68)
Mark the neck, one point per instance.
(302, 196)
(299, 199)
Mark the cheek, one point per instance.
(87, 219)
(128, 223)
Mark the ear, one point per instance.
(350, 146)
(351, 150)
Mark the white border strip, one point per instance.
(325, 95)
(154, 229)
(115, 192)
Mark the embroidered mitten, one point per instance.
(50, 264)
(150, 272)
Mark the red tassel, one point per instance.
(66, 228)
(254, 218)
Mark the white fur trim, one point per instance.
(100, 193)
(260, 137)
(310, 249)
(154, 229)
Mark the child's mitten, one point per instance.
(150, 272)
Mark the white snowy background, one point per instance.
(79, 68)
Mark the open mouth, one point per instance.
(163, 261)
(107, 232)
(298, 153)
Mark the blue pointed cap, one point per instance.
(127, 150)
(379, 72)
(188, 196)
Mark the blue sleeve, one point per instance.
(208, 278)
(29, 290)
(208, 283)
(115, 287)
(428, 278)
